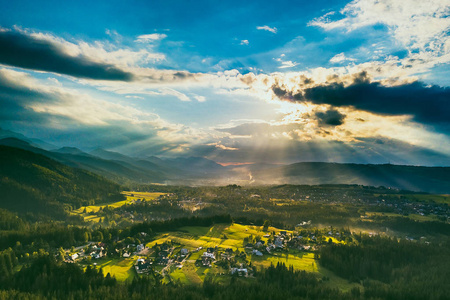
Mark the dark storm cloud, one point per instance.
(331, 117)
(20, 50)
(427, 104)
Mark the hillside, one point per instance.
(414, 178)
(30, 182)
(118, 171)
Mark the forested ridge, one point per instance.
(31, 182)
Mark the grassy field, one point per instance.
(122, 269)
(426, 197)
(414, 217)
(88, 212)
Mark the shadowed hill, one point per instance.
(414, 178)
(30, 182)
(117, 170)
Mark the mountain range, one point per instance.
(125, 170)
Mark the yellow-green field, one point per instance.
(122, 269)
(221, 235)
(131, 197)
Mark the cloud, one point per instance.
(340, 58)
(172, 92)
(330, 117)
(25, 51)
(419, 25)
(100, 64)
(245, 42)
(219, 145)
(263, 130)
(145, 38)
(74, 117)
(287, 64)
(267, 28)
(200, 98)
(427, 104)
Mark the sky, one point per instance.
(275, 82)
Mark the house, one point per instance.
(126, 255)
(239, 271)
(139, 248)
(249, 246)
(184, 251)
(208, 258)
(142, 266)
(98, 253)
(257, 252)
(209, 255)
(74, 256)
(278, 242)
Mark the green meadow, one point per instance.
(88, 212)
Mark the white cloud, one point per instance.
(245, 42)
(99, 51)
(417, 24)
(267, 28)
(287, 64)
(340, 58)
(145, 38)
(219, 145)
(172, 92)
(200, 98)
(134, 97)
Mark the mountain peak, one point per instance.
(70, 150)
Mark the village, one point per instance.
(167, 255)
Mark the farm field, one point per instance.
(88, 212)
(122, 269)
(415, 217)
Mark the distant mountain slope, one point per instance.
(121, 172)
(110, 155)
(195, 165)
(148, 165)
(427, 179)
(70, 150)
(35, 142)
(31, 182)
